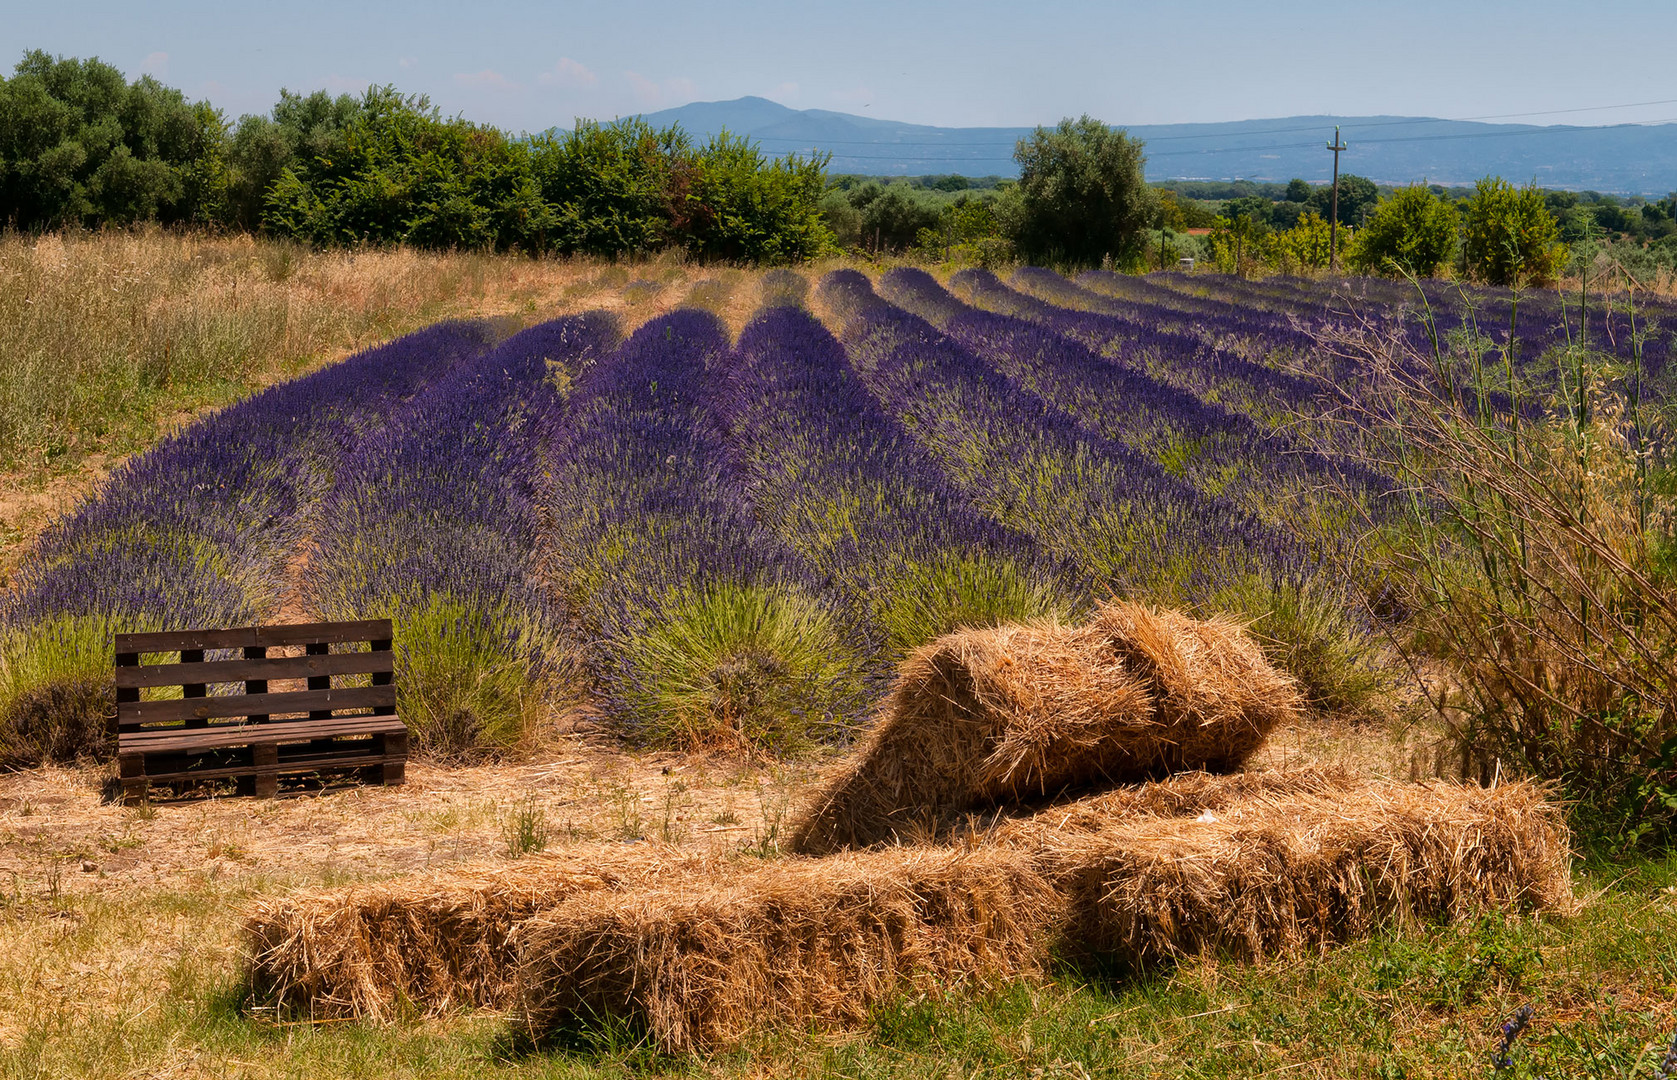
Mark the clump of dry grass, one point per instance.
(704, 962)
(1019, 712)
(1284, 872)
(436, 941)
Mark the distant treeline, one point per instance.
(82, 146)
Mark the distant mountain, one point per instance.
(1626, 158)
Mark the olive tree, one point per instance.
(1082, 197)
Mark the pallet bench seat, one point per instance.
(228, 724)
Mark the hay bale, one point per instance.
(437, 941)
(1280, 873)
(973, 717)
(1026, 712)
(1183, 795)
(701, 963)
(1218, 696)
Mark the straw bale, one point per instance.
(1186, 794)
(1218, 696)
(434, 941)
(804, 942)
(1279, 873)
(1013, 713)
(943, 741)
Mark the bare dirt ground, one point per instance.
(60, 836)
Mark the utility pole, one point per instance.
(1333, 220)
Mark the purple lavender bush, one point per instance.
(841, 482)
(707, 630)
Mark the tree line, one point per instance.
(82, 146)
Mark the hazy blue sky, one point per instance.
(526, 65)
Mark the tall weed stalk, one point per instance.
(1539, 570)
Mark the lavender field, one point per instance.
(726, 540)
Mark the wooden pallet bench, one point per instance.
(228, 724)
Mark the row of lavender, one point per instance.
(434, 521)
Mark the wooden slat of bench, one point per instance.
(131, 714)
(255, 636)
(284, 768)
(165, 740)
(134, 713)
(277, 667)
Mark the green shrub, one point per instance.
(1310, 631)
(465, 679)
(1413, 232)
(740, 667)
(934, 597)
(57, 692)
(1509, 235)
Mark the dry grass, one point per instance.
(1019, 712)
(703, 962)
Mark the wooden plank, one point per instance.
(163, 740)
(248, 636)
(193, 690)
(256, 686)
(127, 693)
(383, 678)
(256, 707)
(319, 682)
(284, 769)
(277, 667)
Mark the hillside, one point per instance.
(1626, 158)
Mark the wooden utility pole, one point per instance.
(1333, 220)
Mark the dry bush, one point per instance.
(702, 963)
(1020, 712)
(1539, 567)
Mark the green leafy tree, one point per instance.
(400, 173)
(300, 129)
(1357, 196)
(1509, 235)
(735, 205)
(892, 216)
(80, 145)
(1306, 245)
(1413, 232)
(610, 185)
(1082, 196)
